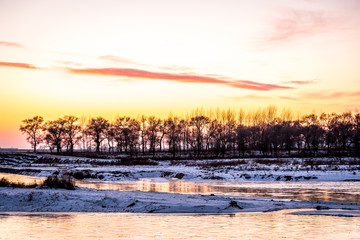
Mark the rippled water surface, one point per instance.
(276, 225)
(311, 191)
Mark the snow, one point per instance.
(91, 200)
(289, 173)
(259, 169)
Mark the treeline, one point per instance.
(202, 133)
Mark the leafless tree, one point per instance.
(153, 132)
(96, 129)
(55, 133)
(32, 128)
(215, 132)
(174, 130)
(199, 123)
(84, 139)
(110, 137)
(143, 127)
(71, 130)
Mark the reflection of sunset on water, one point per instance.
(348, 192)
(305, 191)
(272, 225)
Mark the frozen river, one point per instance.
(271, 225)
(330, 191)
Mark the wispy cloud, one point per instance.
(322, 96)
(11, 44)
(184, 78)
(309, 96)
(302, 82)
(117, 59)
(176, 68)
(288, 98)
(248, 97)
(294, 24)
(121, 60)
(18, 65)
(259, 97)
(69, 63)
(256, 85)
(325, 96)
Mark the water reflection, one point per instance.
(275, 225)
(22, 178)
(309, 191)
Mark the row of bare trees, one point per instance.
(211, 133)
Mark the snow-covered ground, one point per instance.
(91, 200)
(256, 169)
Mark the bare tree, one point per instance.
(134, 129)
(243, 138)
(153, 132)
(71, 130)
(49, 143)
(174, 129)
(213, 132)
(96, 129)
(84, 137)
(32, 128)
(163, 130)
(356, 134)
(143, 127)
(55, 133)
(312, 132)
(199, 123)
(122, 132)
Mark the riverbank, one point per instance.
(92, 200)
(123, 169)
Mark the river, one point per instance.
(272, 225)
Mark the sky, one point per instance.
(130, 57)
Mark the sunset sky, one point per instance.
(116, 57)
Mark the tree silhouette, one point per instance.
(32, 128)
(213, 133)
(96, 129)
(153, 132)
(355, 136)
(55, 133)
(199, 123)
(143, 123)
(71, 130)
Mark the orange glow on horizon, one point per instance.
(122, 58)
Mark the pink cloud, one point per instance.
(288, 98)
(177, 68)
(260, 97)
(18, 65)
(185, 78)
(11, 44)
(247, 97)
(117, 59)
(302, 82)
(256, 86)
(293, 24)
(69, 63)
(320, 96)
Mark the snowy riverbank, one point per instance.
(251, 169)
(91, 200)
